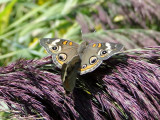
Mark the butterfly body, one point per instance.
(86, 57)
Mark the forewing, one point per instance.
(62, 50)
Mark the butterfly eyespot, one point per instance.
(103, 52)
(54, 48)
(62, 57)
(93, 60)
(84, 66)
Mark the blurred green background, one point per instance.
(23, 22)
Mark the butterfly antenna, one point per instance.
(82, 36)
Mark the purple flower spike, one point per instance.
(126, 86)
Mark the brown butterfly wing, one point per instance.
(69, 73)
(95, 53)
(62, 50)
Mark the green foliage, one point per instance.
(23, 23)
(6, 116)
(5, 113)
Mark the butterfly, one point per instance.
(76, 59)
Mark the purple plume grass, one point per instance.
(130, 38)
(127, 86)
(136, 14)
(139, 16)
